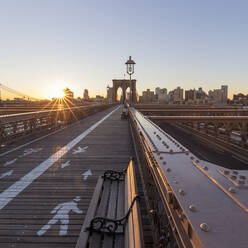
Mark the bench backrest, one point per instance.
(133, 231)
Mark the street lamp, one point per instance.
(130, 70)
(130, 66)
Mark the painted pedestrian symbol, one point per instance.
(62, 215)
(6, 174)
(10, 162)
(67, 163)
(79, 150)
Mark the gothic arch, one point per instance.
(124, 84)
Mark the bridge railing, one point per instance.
(182, 191)
(229, 132)
(14, 126)
(162, 216)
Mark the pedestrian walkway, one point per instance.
(46, 186)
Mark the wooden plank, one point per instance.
(95, 239)
(34, 227)
(126, 207)
(108, 241)
(32, 208)
(34, 239)
(28, 233)
(119, 240)
(83, 236)
(137, 230)
(130, 198)
(37, 245)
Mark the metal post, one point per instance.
(130, 70)
(131, 92)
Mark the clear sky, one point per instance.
(49, 44)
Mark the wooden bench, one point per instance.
(113, 216)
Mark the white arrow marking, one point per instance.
(86, 174)
(62, 214)
(10, 162)
(8, 173)
(67, 163)
(30, 151)
(79, 150)
(16, 188)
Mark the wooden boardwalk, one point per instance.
(46, 186)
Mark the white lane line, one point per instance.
(9, 194)
(32, 141)
(10, 162)
(6, 174)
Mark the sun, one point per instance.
(56, 91)
(58, 94)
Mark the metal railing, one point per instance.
(14, 126)
(173, 186)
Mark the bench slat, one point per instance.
(137, 229)
(119, 241)
(83, 236)
(108, 239)
(112, 199)
(126, 208)
(95, 240)
(130, 198)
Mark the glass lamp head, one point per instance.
(130, 66)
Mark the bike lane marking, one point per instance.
(15, 189)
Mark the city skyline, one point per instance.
(8, 93)
(84, 44)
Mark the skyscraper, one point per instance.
(178, 94)
(224, 89)
(86, 94)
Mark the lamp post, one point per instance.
(130, 70)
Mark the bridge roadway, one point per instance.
(61, 168)
(203, 149)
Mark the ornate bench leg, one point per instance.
(110, 226)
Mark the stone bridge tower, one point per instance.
(124, 84)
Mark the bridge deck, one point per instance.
(30, 214)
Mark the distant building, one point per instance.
(219, 95)
(171, 96)
(99, 98)
(157, 90)
(224, 89)
(109, 94)
(178, 95)
(215, 95)
(162, 95)
(86, 95)
(68, 93)
(200, 94)
(195, 96)
(190, 95)
(147, 96)
(240, 99)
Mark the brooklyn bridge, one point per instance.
(114, 175)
